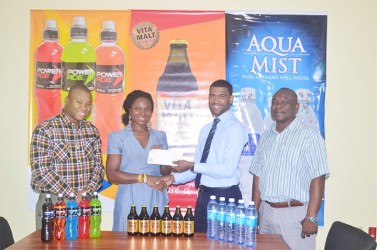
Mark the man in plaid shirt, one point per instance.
(65, 153)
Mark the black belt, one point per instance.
(214, 189)
(292, 203)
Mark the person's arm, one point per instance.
(97, 170)
(256, 193)
(316, 191)
(43, 176)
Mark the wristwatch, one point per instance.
(311, 219)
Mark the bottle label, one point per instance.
(72, 212)
(48, 75)
(231, 218)
(166, 226)
(155, 226)
(60, 213)
(132, 226)
(143, 226)
(48, 215)
(251, 221)
(188, 227)
(177, 226)
(211, 215)
(109, 79)
(251, 145)
(95, 210)
(85, 211)
(240, 219)
(220, 216)
(76, 73)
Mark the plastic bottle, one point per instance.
(48, 73)
(155, 222)
(60, 218)
(177, 222)
(211, 218)
(177, 102)
(78, 59)
(188, 223)
(230, 220)
(251, 222)
(95, 216)
(132, 221)
(144, 222)
(305, 111)
(47, 231)
(109, 83)
(239, 228)
(84, 217)
(166, 222)
(220, 217)
(72, 218)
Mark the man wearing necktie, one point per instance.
(215, 167)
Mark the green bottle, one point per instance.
(78, 60)
(95, 216)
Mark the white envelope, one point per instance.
(164, 157)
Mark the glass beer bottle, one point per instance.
(155, 222)
(144, 222)
(132, 221)
(177, 222)
(188, 223)
(166, 222)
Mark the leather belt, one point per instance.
(293, 203)
(213, 189)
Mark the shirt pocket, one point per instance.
(62, 152)
(88, 148)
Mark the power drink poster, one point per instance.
(265, 52)
(71, 47)
(175, 56)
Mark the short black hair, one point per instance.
(130, 99)
(223, 83)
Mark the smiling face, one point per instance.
(78, 105)
(219, 100)
(284, 107)
(141, 111)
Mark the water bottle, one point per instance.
(230, 219)
(95, 216)
(239, 229)
(251, 221)
(211, 218)
(220, 216)
(72, 218)
(305, 111)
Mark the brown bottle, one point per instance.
(155, 222)
(144, 222)
(188, 223)
(132, 221)
(176, 100)
(177, 222)
(166, 222)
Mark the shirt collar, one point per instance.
(225, 116)
(290, 126)
(67, 122)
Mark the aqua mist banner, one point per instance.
(265, 52)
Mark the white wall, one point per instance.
(350, 124)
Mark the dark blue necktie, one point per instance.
(207, 146)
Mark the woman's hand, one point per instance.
(155, 183)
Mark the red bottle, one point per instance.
(109, 84)
(48, 74)
(59, 220)
(84, 217)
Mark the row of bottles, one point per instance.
(231, 223)
(71, 220)
(101, 70)
(155, 224)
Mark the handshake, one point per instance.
(162, 182)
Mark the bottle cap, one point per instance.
(71, 195)
(231, 199)
(48, 195)
(241, 201)
(79, 29)
(251, 203)
(50, 31)
(178, 42)
(222, 198)
(213, 197)
(108, 32)
(60, 195)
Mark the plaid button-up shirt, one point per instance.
(64, 158)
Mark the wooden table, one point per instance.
(120, 240)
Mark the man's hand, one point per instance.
(182, 166)
(156, 183)
(308, 228)
(167, 179)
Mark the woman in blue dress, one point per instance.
(126, 164)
